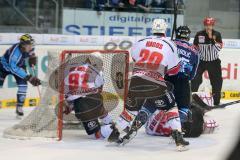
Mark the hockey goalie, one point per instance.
(83, 83)
(160, 123)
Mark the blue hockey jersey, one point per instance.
(189, 59)
(13, 61)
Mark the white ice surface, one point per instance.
(77, 146)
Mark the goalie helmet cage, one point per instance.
(47, 119)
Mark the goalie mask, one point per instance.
(95, 59)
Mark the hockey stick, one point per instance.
(34, 74)
(175, 6)
(200, 102)
(226, 104)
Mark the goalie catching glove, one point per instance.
(33, 80)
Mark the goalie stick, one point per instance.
(206, 107)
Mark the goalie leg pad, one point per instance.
(92, 127)
(89, 107)
(162, 122)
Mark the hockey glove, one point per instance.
(68, 107)
(33, 80)
(32, 61)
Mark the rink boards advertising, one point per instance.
(49, 42)
(113, 23)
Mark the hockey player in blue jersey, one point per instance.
(13, 63)
(189, 63)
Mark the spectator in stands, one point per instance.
(131, 2)
(170, 4)
(146, 5)
(157, 3)
(123, 3)
(100, 4)
(87, 4)
(117, 3)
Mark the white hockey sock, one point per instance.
(175, 124)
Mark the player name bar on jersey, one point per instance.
(154, 44)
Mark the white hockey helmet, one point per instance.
(97, 55)
(96, 59)
(159, 26)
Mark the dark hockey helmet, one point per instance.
(183, 32)
(26, 39)
(194, 126)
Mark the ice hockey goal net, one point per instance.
(47, 119)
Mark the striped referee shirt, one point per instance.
(208, 48)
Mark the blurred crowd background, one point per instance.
(45, 16)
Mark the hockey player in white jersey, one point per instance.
(83, 84)
(153, 57)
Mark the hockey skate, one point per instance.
(127, 138)
(179, 141)
(131, 133)
(114, 136)
(19, 112)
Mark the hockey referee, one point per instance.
(209, 43)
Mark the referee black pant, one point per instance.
(215, 76)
